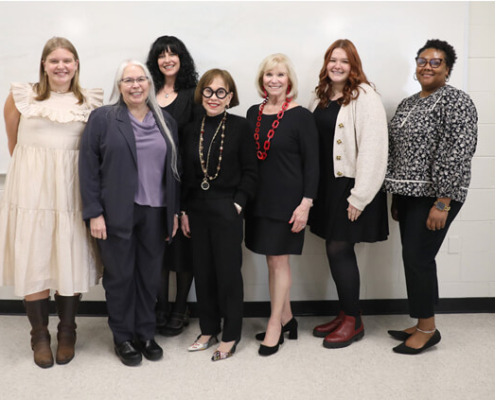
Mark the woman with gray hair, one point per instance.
(130, 190)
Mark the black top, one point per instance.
(183, 109)
(238, 171)
(326, 119)
(290, 171)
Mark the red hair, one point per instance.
(356, 76)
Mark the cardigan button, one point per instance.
(341, 125)
(339, 157)
(339, 141)
(339, 173)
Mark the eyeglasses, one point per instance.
(130, 81)
(220, 93)
(434, 62)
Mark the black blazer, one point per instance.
(108, 170)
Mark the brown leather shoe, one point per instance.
(350, 330)
(37, 312)
(324, 329)
(67, 307)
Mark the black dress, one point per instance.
(289, 173)
(178, 256)
(328, 218)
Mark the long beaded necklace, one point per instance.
(205, 185)
(266, 146)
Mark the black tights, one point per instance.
(184, 280)
(345, 273)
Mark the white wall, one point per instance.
(236, 36)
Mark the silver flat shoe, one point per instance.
(196, 346)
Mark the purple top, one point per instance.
(151, 150)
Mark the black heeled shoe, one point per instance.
(269, 350)
(403, 349)
(290, 327)
(399, 335)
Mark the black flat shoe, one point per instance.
(175, 325)
(400, 335)
(150, 349)
(403, 349)
(128, 354)
(270, 350)
(290, 327)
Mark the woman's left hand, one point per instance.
(436, 219)
(353, 213)
(174, 227)
(300, 216)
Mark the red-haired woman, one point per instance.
(349, 207)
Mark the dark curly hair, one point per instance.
(187, 76)
(446, 48)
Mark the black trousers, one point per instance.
(419, 249)
(131, 274)
(216, 237)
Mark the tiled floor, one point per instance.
(462, 366)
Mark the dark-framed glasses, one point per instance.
(220, 93)
(434, 62)
(130, 81)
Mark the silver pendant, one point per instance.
(205, 185)
(166, 95)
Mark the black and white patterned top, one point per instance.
(432, 141)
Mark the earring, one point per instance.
(415, 76)
(447, 78)
(265, 94)
(288, 89)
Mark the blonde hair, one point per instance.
(42, 88)
(270, 63)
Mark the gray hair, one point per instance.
(116, 98)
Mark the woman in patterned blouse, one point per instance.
(432, 141)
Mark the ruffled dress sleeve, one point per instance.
(62, 108)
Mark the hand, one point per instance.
(300, 216)
(98, 227)
(174, 227)
(353, 213)
(394, 210)
(184, 224)
(436, 219)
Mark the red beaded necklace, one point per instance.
(266, 146)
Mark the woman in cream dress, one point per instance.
(44, 244)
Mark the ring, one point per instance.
(303, 226)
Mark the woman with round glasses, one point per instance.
(287, 149)
(220, 175)
(432, 141)
(350, 208)
(44, 244)
(174, 75)
(130, 188)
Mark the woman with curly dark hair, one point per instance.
(349, 207)
(174, 74)
(433, 138)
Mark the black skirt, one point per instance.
(272, 238)
(328, 217)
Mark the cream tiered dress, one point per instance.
(44, 243)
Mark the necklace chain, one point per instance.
(266, 146)
(205, 185)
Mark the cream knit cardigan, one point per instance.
(360, 148)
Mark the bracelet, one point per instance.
(309, 200)
(441, 206)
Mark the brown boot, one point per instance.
(37, 312)
(350, 330)
(67, 309)
(329, 327)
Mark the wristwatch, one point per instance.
(441, 206)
